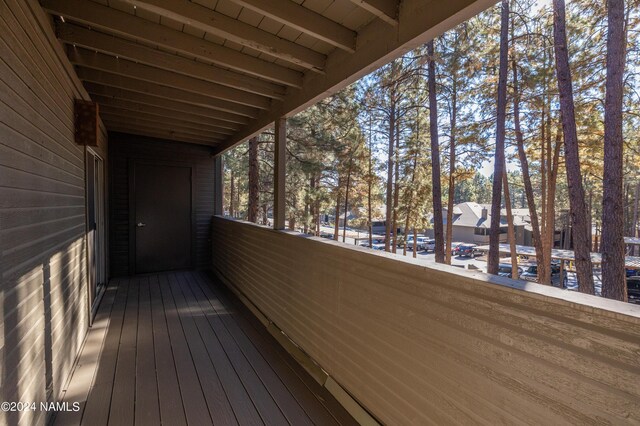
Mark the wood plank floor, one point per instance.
(179, 348)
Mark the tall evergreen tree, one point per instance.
(493, 259)
(613, 272)
(435, 158)
(578, 210)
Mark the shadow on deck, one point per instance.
(178, 348)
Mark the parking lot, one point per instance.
(477, 263)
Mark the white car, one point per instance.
(430, 245)
(421, 243)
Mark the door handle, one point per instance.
(141, 225)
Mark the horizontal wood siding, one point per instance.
(439, 345)
(127, 149)
(43, 286)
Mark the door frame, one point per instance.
(131, 171)
(100, 253)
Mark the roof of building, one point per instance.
(470, 215)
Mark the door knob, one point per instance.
(141, 225)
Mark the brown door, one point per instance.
(162, 224)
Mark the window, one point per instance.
(480, 231)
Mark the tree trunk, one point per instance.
(543, 277)
(590, 218)
(238, 200)
(435, 158)
(265, 214)
(550, 221)
(568, 240)
(392, 132)
(292, 217)
(254, 177)
(634, 224)
(396, 191)
(613, 256)
(493, 259)
(369, 187)
(312, 202)
(232, 197)
(336, 225)
(346, 201)
(410, 206)
(307, 210)
(317, 207)
(511, 234)
(584, 268)
(452, 168)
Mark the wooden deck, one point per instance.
(176, 349)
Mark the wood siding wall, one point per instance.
(43, 287)
(422, 345)
(125, 150)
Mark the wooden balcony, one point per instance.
(177, 348)
(435, 344)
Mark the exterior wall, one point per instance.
(439, 345)
(466, 234)
(125, 150)
(43, 287)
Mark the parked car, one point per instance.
(633, 289)
(430, 245)
(420, 243)
(531, 272)
(455, 248)
(467, 250)
(378, 244)
(506, 270)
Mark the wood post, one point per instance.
(218, 186)
(279, 173)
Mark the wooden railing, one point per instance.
(438, 345)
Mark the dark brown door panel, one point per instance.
(162, 222)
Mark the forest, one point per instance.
(531, 104)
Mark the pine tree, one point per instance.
(613, 272)
(578, 211)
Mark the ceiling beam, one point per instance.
(418, 22)
(117, 121)
(141, 123)
(386, 10)
(123, 104)
(307, 21)
(127, 83)
(215, 23)
(160, 134)
(174, 122)
(127, 25)
(110, 114)
(172, 105)
(116, 46)
(100, 61)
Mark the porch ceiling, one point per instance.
(217, 72)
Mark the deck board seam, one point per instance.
(224, 353)
(245, 316)
(243, 352)
(251, 391)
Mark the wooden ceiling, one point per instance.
(217, 72)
